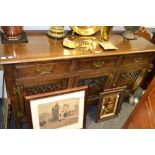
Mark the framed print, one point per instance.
(60, 109)
(110, 103)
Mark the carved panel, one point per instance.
(47, 88)
(96, 85)
(127, 79)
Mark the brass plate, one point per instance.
(85, 30)
(107, 45)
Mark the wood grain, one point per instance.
(143, 117)
(42, 48)
(43, 65)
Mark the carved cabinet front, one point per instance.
(97, 73)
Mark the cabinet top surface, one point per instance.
(42, 48)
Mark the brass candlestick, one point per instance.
(56, 32)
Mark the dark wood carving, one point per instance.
(44, 65)
(45, 88)
(95, 86)
(21, 91)
(127, 79)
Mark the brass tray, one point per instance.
(85, 30)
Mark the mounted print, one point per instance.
(60, 109)
(110, 103)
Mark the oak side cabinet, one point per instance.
(44, 65)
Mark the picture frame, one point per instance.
(64, 109)
(110, 102)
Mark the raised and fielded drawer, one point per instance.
(135, 59)
(96, 63)
(42, 69)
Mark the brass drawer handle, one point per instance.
(137, 59)
(98, 64)
(44, 70)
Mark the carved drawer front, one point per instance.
(136, 59)
(53, 85)
(96, 63)
(37, 86)
(42, 69)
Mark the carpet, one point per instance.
(114, 123)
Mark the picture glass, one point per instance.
(59, 113)
(62, 111)
(109, 105)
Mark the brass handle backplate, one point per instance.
(137, 59)
(45, 70)
(20, 114)
(98, 64)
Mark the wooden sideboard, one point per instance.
(44, 65)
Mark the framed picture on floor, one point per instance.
(110, 103)
(61, 109)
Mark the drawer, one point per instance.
(135, 59)
(96, 63)
(42, 69)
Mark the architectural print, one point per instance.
(58, 114)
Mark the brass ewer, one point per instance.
(105, 33)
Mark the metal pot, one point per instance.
(12, 32)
